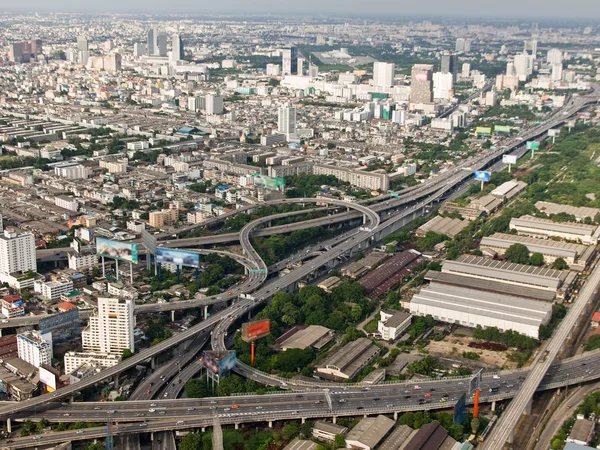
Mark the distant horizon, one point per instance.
(386, 10)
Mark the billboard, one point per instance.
(117, 250)
(554, 132)
(177, 257)
(533, 145)
(482, 176)
(509, 159)
(272, 183)
(48, 378)
(256, 330)
(67, 318)
(460, 410)
(479, 131)
(219, 363)
(502, 129)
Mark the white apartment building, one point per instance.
(286, 123)
(383, 74)
(110, 330)
(17, 252)
(114, 166)
(35, 347)
(82, 260)
(358, 178)
(69, 203)
(74, 360)
(12, 309)
(442, 85)
(71, 171)
(53, 289)
(213, 104)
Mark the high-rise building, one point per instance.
(530, 47)
(313, 70)
(151, 41)
(555, 56)
(35, 347)
(110, 330)
(289, 61)
(383, 74)
(557, 72)
(286, 123)
(273, 70)
(421, 83)
(139, 49)
(17, 252)
(112, 63)
(450, 64)
(463, 45)
(523, 66)
(466, 70)
(36, 46)
(300, 65)
(213, 104)
(178, 52)
(161, 44)
(442, 85)
(82, 44)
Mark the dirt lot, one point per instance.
(490, 358)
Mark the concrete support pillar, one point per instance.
(511, 437)
(205, 312)
(116, 381)
(334, 419)
(494, 405)
(152, 436)
(270, 424)
(72, 398)
(203, 429)
(173, 316)
(303, 420)
(395, 415)
(237, 426)
(0, 332)
(364, 219)
(153, 363)
(9, 425)
(528, 407)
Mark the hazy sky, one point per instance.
(526, 9)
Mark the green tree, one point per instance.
(339, 441)
(517, 253)
(560, 264)
(192, 441)
(474, 425)
(290, 431)
(43, 423)
(126, 354)
(537, 259)
(196, 388)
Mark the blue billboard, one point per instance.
(460, 410)
(219, 363)
(177, 257)
(482, 176)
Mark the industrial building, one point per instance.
(580, 212)
(431, 436)
(544, 228)
(301, 444)
(326, 431)
(468, 307)
(577, 256)
(442, 225)
(303, 336)
(508, 190)
(358, 268)
(369, 432)
(398, 438)
(380, 280)
(349, 360)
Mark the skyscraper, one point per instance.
(289, 61)
(17, 252)
(161, 44)
(178, 52)
(442, 84)
(213, 104)
(554, 56)
(523, 66)
(421, 83)
(466, 70)
(286, 123)
(139, 49)
(463, 45)
(383, 74)
(36, 46)
(110, 330)
(450, 64)
(82, 44)
(151, 41)
(300, 65)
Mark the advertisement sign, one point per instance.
(118, 250)
(533, 145)
(460, 410)
(554, 132)
(502, 129)
(177, 257)
(48, 378)
(483, 131)
(509, 159)
(219, 363)
(482, 176)
(271, 183)
(255, 330)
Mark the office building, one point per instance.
(555, 56)
(392, 324)
(421, 84)
(213, 104)
(273, 70)
(95, 361)
(383, 74)
(161, 44)
(69, 203)
(300, 65)
(449, 64)
(17, 252)
(286, 123)
(82, 44)
(313, 70)
(530, 47)
(112, 63)
(139, 49)
(442, 85)
(36, 47)
(151, 41)
(35, 347)
(110, 330)
(557, 72)
(289, 61)
(53, 289)
(178, 52)
(114, 165)
(463, 45)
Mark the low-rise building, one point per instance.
(303, 336)
(369, 432)
(580, 212)
(442, 225)
(53, 289)
(544, 228)
(12, 306)
(392, 324)
(326, 431)
(349, 360)
(74, 360)
(582, 432)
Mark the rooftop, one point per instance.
(371, 430)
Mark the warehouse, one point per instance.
(508, 190)
(442, 225)
(580, 212)
(506, 272)
(545, 228)
(380, 280)
(431, 436)
(349, 360)
(467, 307)
(369, 432)
(303, 336)
(577, 256)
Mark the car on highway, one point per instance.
(143, 424)
(427, 395)
(152, 404)
(179, 422)
(79, 432)
(162, 413)
(97, 408)
(226, 409)
(190, 409)
(111, 411)
(151, 410)
(35, 438)
(148, 391)
(235, 407)
(66, 415)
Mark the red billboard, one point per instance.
(252, 331)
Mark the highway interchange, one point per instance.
(405, 208)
